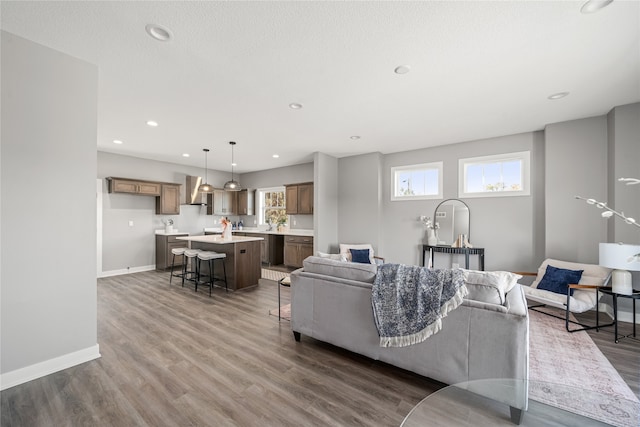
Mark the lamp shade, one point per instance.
(621, 258)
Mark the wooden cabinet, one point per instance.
(164, 244)
(222, 202)
(271, 248)
(169, 201)
(124, 185)
(167, 193)
(246, 201)
(299, 198)
(296, 249)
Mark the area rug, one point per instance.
(285, 312)
(273, 274)
(562, 364)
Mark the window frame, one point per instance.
(261, 208)
(525, 174)
(438, 166)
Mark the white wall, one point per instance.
(48, 220)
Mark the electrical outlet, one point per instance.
(455, 265)
(130, 223)
(294, 222)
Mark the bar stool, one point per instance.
(211, 257)
(178, 252)
(190, 258)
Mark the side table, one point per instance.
(285, 281)
(634, 296)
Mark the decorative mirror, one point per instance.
(452, 217)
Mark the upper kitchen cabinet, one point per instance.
(299, 198)
(167, 193)
(224, 203)
(169, 201)
(246, 200)
(133, 186)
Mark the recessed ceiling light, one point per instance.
(234, 164)
(402, 69)
(117, 141)
(592, 6)
(185, 155)
(558, 95)
(152, 123)
(275, 156)
(295, 106)
(159, 32)
(354, 137)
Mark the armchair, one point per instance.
(577, 298)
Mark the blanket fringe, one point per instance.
(418, 337)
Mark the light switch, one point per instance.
(130, 223)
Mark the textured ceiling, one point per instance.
(478, 70)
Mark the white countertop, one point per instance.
(218, 239)
(173, 233)
(289, 232)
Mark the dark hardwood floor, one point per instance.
(172, 357)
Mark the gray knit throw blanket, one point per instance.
(409, 302)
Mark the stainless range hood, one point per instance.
(192, 195)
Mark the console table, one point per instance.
(449, 250)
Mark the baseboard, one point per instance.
(28, 373)
(623, 315)
(127, 271)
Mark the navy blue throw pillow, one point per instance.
(360, 255)
(558, 279)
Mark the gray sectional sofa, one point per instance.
(487, 337)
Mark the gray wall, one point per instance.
(326, 203)
(360, 201)
(48, 215)
(277, 177)
(505, 226)
(624, 162)
(575, 164)
(132, 248)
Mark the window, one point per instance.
(417, 182)
(272, 206)
(494, 176)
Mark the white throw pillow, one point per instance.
(489, 286)
(336, 257)
(344, 250)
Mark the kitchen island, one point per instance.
(242, 262)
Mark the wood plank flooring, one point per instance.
(172, 357)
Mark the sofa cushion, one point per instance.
(344, 270)
(489, 286)
(558, 279)
(344, 250)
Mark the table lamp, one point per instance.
(621, 258)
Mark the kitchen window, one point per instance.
(272, 205)
(494, 176)
(416, 182)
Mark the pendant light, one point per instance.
(205, 188)
(232, 185)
